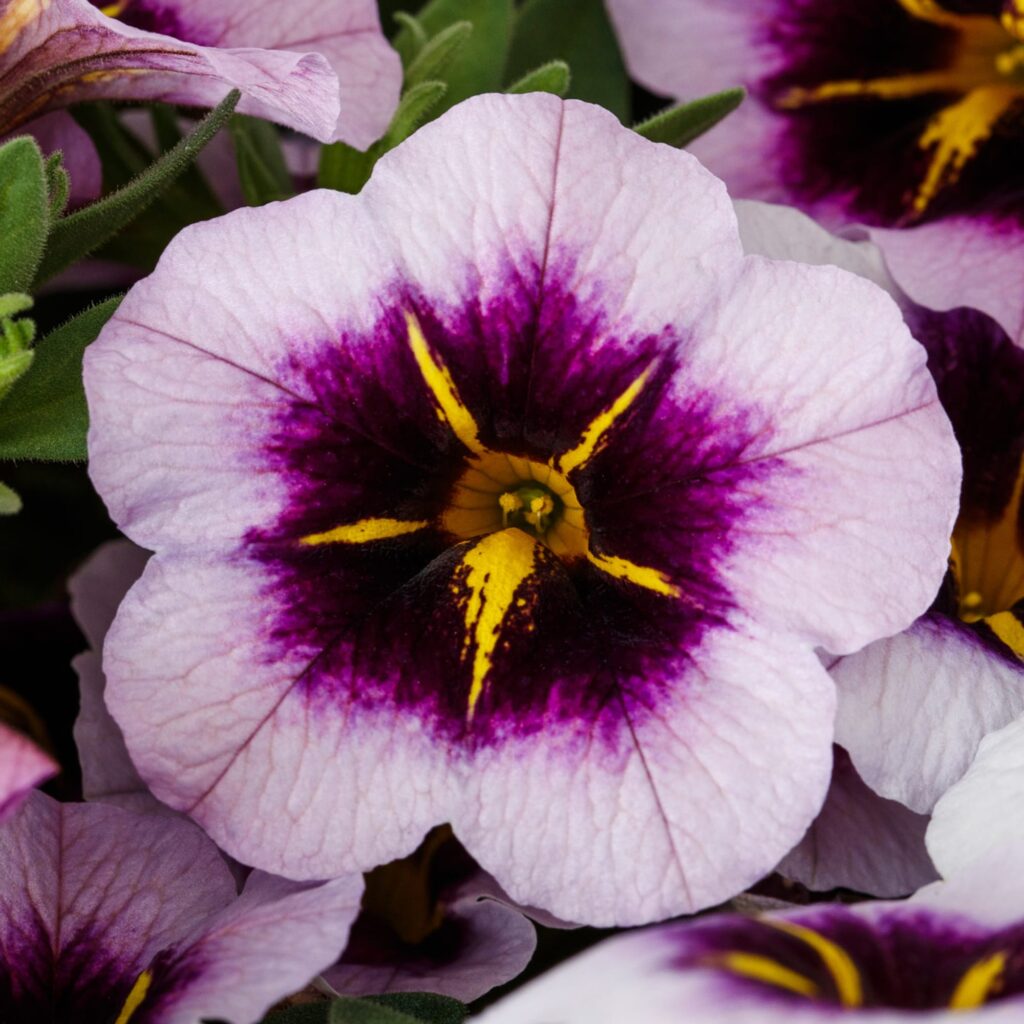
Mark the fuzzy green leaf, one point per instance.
(680, 125)
(419, 37)
(438, 53)
(58, 184)
(261, 168)
(83, 231)
(480, 64)
(344, 168)
(413, 110)
(425, 1006)
(553, 77)
(307, 1013)
(45, 415)
(364, 1011)
(579, 33)
(24, 213)
(10, 501)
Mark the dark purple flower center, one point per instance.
(908, 959)
(502, 516)
(900, 110)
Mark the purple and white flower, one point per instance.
(901, 114)
(323, 69)
(108, 915)
(509, 494)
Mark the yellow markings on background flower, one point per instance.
(896, 87)
(595, 437)
(835, 958)
(763, 968)
(493, 571)
(979, 982)
(956, 133)
(135, 997)
(1012, 18)
(115, 10)
(930, 10)
(365, 531)
(641, 575)
(450, 407)
(17, 17)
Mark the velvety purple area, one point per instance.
(154, 16)
(379, 621)
(88, 983)
(172, 970)
(907, 958)
(864, 152)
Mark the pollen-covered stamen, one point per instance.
(979, 983)
(530, 507)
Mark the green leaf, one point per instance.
(45, 415)
(58, 184)
(438, 53)
(403, 19)
(14, 303)
(365, 1011)
(412, 111)
(344, 168)
(24, 213)
(480, 65)
(553, 77)
(86, 229)
(680, 125)
(425, 1006)
(579, 33)
(261, 168)
(10, 502)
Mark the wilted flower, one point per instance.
(509, 494)
(324, 69)
(901, 114)
(107, 915)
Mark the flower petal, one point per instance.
(60, 131)
(23, 766)
(913, 708)
(861, 841)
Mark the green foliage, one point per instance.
(348, 170)
(680, 125)
(480, 64)
(261, 167)
(77, 235)
(553, 77)
(438, 53)
(396, 1008)
(579, 33)
(58, 184)
(10, 501)
(45, 415)
(24, 213)
(16, 337)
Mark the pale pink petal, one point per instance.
(861, 841)
(23, 766)
(913, 708)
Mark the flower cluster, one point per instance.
(537, 525)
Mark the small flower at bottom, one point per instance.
(508, 494)
(111, 917)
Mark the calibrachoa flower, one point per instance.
(509, 494)
(432, 921)
(111, 916)
(912, 708)
(23, 766)
(901, 114)
(322, 68)
(953, 952)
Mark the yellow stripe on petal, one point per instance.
(595, 436)
(450, 407)
(1009, 629)
(135, 997)
(641, 575)
(771, 972)
(897, 87)
(979, 982)
(930, 10)
(955, 135)
(366, 531)
(836, 959)
(494, 571)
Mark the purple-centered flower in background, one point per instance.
(324, 69)
(109, 915)
(905, 115)
(431, 922)
(913, 708)
(953, 952)
(509, 494)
